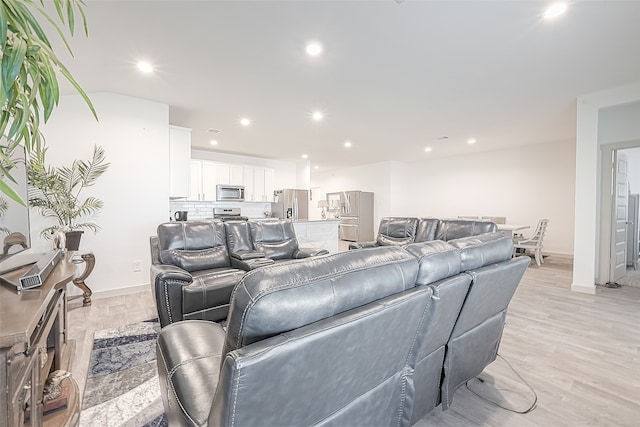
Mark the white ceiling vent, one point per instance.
(213, 131)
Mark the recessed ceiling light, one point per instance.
(317, 116)
(316, 167)
(145, 67)
(213, 142)
(471, 141)
(314, 49)
(245, 122)
(427, 149)
(304, 156)
(347, 144)
(555, 10)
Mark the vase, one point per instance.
(73, 240)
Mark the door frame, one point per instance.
(607, 206)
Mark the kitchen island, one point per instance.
(320, 234)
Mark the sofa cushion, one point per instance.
(285, 296)
(477, 251)
(276, 239)
(427, 228)
(436, 260)
(449, 229)
(193, 245)
(396, 231)
(238, 236)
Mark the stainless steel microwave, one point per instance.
(229, 193)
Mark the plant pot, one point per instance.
(73, 239)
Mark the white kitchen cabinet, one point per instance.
(204, 178)
(211, 173)
(236, 175)
(258, 184)
(179, 161)
(263, 184)
(247, 181)
(222, 173)
(195, 187)
(269, 184)
(258, 181)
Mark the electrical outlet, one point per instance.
(137, 265)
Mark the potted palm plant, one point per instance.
(29, 88)
(55, 191)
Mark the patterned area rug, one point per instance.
(122, 388)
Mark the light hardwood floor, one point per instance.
(580, 353)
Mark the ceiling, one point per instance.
(394, 77)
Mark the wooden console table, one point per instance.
(33, 343)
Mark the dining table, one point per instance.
(510, 230)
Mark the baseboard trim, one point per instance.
(583, 289)
(120, 291)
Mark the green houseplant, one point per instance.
(28, 79)
(55, 191)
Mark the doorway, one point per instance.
(619, 216)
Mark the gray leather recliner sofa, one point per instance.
(355, 338)
(400, 231)
(196, 264)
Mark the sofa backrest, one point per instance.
(477, 332)
(282, 297)
(449, 229)
(193, 245)
(276, 239)
(353, 368)
(397, 231)
(427, 228)
(484, 249)
(238, 235)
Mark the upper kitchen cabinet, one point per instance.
(258, 181)
(258, 184)
(204, 178)
(179, 161)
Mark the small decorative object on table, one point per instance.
(323, 204)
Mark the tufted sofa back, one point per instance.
(276, 239)
(397, 231)
(193, 245)
(268, 301)
(449, 229)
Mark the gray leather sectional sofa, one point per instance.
(196, 264)
(375, 337)
(399, 231)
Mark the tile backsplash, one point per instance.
(204, 210)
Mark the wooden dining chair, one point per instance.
(534, 242)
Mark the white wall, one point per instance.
(524, 184)
(633, 175)
(285, 172)
(587, 206)
(135, 188)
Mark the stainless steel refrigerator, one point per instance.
(291, 203)
(354, 209)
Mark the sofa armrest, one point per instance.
(167, 282)
(309, 252)
(361, 245)
(188, 359)
(250, 264)
(245, 255)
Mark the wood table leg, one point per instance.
(89, 261)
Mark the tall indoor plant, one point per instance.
(55, 191)
(28, 80)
